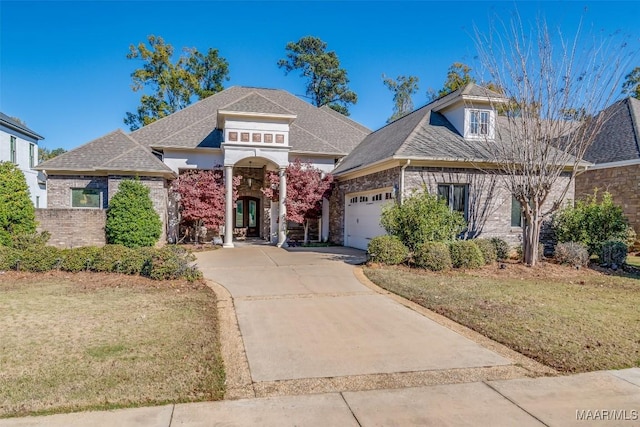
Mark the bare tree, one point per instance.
(543, 75)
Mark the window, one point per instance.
(86, 198)
(12, 150)
(364, 199)
(516, 213)
(32, 157)
(376, 198)
(479, 122)
(388, 196)
(353, 200)
(239, 214)
(455, 195)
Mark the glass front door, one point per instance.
(248, 215)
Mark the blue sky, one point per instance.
(64, 71)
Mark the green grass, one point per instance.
(89, 341)
(583, 322)
(633, 260)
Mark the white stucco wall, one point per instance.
(193, 159)
(325, 164)
(38, 192)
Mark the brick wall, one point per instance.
(622, 182)
(59, 199)
(386, 178)
(71, 228)
(489, 203)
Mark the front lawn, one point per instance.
(96, 341)
(633, 260)
(570, 320)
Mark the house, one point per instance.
(439, 146)
(20, 146)
(247, 131)
(616, 156)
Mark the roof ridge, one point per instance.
(67, 153)
(634, 123)
(254, 92)
(325, 109)
(277, 103)
(317, 137)
(146, 149)
(414, 130)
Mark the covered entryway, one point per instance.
(362, 217)
(248, 215)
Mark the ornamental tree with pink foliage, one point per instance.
(306, 186)
(202, 197)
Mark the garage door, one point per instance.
(362, 217)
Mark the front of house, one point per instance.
(245, 131)
(250, 132)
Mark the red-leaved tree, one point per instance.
(202, 197)
(306, 186)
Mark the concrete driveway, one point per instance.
(303, 314)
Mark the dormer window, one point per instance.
(479, 122)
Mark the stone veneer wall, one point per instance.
(622, 182)
(59, 198)
(71, 228)
(386, 178)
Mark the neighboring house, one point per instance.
(616, 154)
(247, 131)
(20, 146)
(438, 146)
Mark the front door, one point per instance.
(248, 215)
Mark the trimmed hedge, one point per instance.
(502, 248)
(434, 256)
(465, 254)
(488, 249)
(169, 262)
(387, 250)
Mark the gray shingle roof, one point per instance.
(9, 122)
(314, 129)
(115, 151)
(619, 138)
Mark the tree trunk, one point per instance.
(530, 241)
(306, 231)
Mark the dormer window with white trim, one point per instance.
(479, 122)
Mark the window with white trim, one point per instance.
(32, 155)
(12, 149)
(479, 122)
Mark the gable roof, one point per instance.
(17, 126)
(425, 134)
(315, 130)
(115, 151)
(619, 138)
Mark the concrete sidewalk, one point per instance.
(608, 398)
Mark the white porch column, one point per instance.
(282, 210)
(228, 216)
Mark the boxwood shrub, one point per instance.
(502, 248)
(387, 250)
(79, 259)
(434, 256)
(465, 254)
(613, 252)
(488, 249)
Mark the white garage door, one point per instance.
(362, 217)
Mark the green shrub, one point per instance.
(8, 258)
(131, 219)
(422, 218)
(572, 253)
(433, 256)
(465, 254)
(590, 222)
(488, 249)
(387, 250)
(79, 259)
(17, 214)
(39, 259)
(171, 262)
(613, 252)
(502, 248)
(30, 240)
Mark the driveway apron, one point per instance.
(303, 314)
